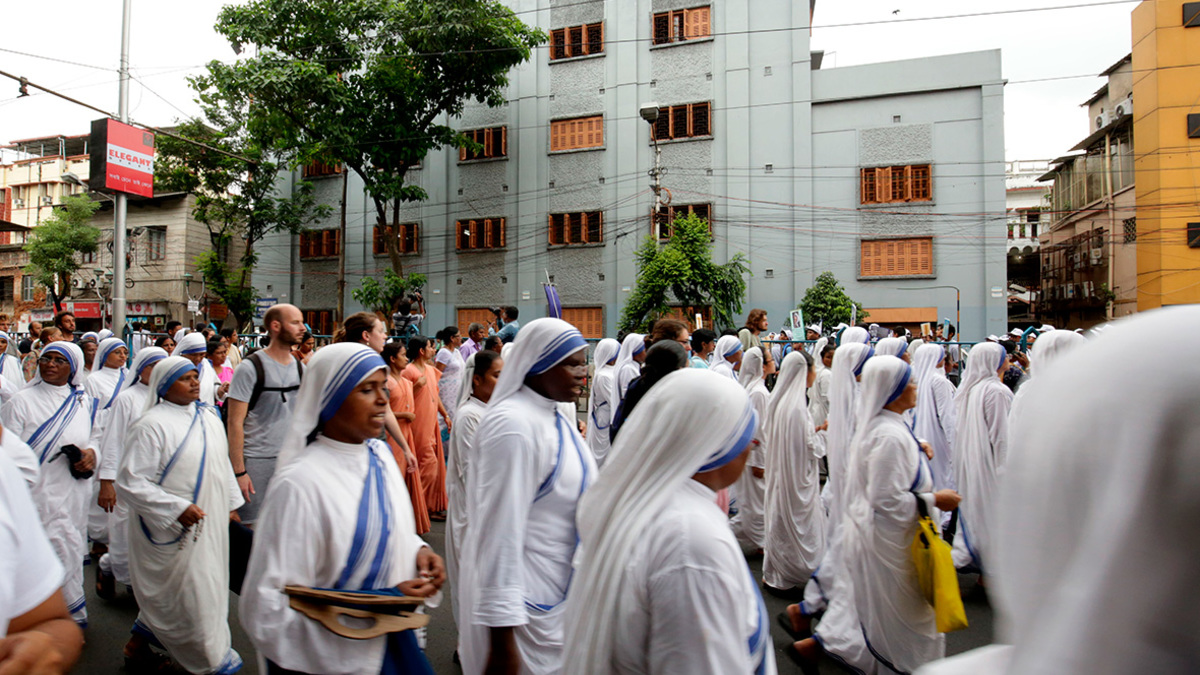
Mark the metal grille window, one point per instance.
(682, 24)
(665, 220)
(892, 184)
(577, 41)
(582, 227)
(683, 121)
(573, 134)
(493, 140)
(480, 234)
(1130, 229)
(156, 243)
(405, 232)
(896, 257)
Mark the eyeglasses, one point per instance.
(53, 360)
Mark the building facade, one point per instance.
(1166, 86)
(1025, 201)
(882, 174)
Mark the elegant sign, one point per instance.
(122, 158)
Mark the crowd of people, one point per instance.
(302, 478)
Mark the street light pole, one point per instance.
(120, 202)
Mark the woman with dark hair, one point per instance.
(166, 343)
(450, 363)
(662, 359)
(493, 343)
(307, 346)
(400, 401)
(427, 405)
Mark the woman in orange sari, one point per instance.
(427, 438)
(400, 400)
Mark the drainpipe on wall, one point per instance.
(1110, 306)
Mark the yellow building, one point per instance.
(1166, 87)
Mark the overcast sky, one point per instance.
(171, 40)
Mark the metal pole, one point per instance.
(119, 204)
(341, 280)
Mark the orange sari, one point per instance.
(400, 399)
(427, 438)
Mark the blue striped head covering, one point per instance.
(166, 373)
(540, 345)
(74, 356)
(106, 348)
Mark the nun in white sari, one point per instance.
(337, 517)
(1095, 549)
(662, 586)
(50, 414)
(727, 357)
(795, 517)
(527, 477)
(982, 405)
(129, 406)
(193, 347)
(893, 346)
(749, 525)
(600, 403)
(103, 385)
(935, 414)
(888, 474)
(627, 368)
(10, 366)
(178, 485)
(1045, 353)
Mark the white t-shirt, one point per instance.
(29, 570)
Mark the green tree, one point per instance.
(366, 83)
(53, 244)
(236, 198)
(383, 297)
(682, 272)
(826, 302)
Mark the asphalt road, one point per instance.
(110, 622)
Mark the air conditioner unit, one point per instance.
(1103, 119)
(48, 200)
(1097, 255)
(1124, 107)
(19, 203)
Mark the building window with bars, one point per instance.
(493, 143)
(910, 257)
(406, 234)
(664, 221)
(583, 227)
(27, 285)
(896, 184)
(576, 134)
(320, 321)
(320, 244)
(681, 25)
(683, 121)
(156, 244)
(480, 234)
(1130, 225)
(317, 169)
(575, 41)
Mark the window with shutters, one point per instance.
(690, 120)
(469, 315)
(493, 143)
(576, 134)
(406, 233)
(319, 244)
(665, 220)
(896, 184)
(581, 227)
(320, 321)
(585, 40)
(156, 243)
(681, 25)
(911, 257)
(588, 320)
(316, 169)
(480, 234)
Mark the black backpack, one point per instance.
(260, 377)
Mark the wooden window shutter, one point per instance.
(504, 141)
(556, 135)
(599, 124)
(899, 182)
(502, 242)
(662, 28)
(700, 120)
(551, 235)
(698, 22)
(475, 239)
(922, 186)
(462, 154)
(489, 143)
(869, 195)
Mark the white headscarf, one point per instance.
(146, 356)
(891, 346)
(632, 345)
(540, 345)
(166, 372)
(606, 350)
(884, 380)
(914, 346)
(751, 373)
(818, 347)
(925, 361)
(1098, 508)
(848, 362)
(192, 343)
(179, 334)
(331, 375)
(985, 359)
(727, 346)
(106, 348)
(1050, 347)
(691, 421)
(855, 334)
(90, 336)
(104, 334)
(467, 384)
(73, 354)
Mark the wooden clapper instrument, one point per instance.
(390, 613)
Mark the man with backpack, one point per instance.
(260, 402)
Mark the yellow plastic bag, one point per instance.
(936, 574)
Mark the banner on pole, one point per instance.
(121, 158)
(553, 301)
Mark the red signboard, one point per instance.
(122, 158)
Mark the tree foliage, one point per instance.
(53, 244)
(383, 297)
(826, 302)
(236, 199)
(368, 84)
(682, 272)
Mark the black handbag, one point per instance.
(73, 455)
